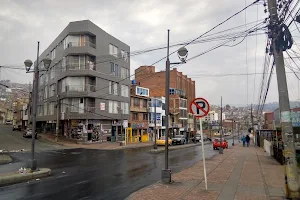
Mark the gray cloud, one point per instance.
(144, 24)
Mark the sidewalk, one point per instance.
(241, 173)
(101, 145)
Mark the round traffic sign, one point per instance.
(199, 107)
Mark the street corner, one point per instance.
(5, 159)
(23, 176)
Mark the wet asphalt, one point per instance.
(96, 174)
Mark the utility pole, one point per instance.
(289, 153)
(232, 132)
(252, 123)
(221, 131)
(155, 131)
(57, 114)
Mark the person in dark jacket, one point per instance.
(247, 140)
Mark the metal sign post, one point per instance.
(200, 108)
(203, 155)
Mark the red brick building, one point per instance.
(182, 92)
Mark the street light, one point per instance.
(182, 54)
(28, 64)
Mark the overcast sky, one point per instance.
(143, 24)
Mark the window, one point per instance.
(52, 90)
(142, 91)
(124, 73)
(156, 102)
(145, 116)
(145, 103)
(136, 102)
(172, 91)
(114, 69)
(75, 105)
(53, 54)
(113, 107)
(113, 50)
(52, 72)
(45, 109)
(72, 84)
(125, 108)
(182, 103)
(64, 63)
(183, 113)
(46, 92)
(134, 116)
(51, 108)
(113, 88)
(124, 91)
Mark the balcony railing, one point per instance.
(75, 109)
(76, 66)
(81, 44)
(152, 121)
(80, 88)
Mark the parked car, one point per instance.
(8, 122)
(217, 134)
(178, 139)
(216, 143)
(162, 141)
(196, 138)
(17, 127)
(28, 133)
(227, 134)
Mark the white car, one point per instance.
(227, 134)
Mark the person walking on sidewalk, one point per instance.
(244, 140)
(248, 140)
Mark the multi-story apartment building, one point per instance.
(139, 113)
(212, 117)
(182, 92)
(159, 103)
(88, 77)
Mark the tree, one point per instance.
(228, 107)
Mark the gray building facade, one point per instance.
(88, 77)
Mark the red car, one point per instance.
(216, 144)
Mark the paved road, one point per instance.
(13, 140)
(95, 174)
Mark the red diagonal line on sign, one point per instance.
(199, 107)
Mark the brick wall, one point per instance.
(155, 81)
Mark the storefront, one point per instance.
(140, 132)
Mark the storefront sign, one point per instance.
(125, 123)
(102, 106)
(296, 119)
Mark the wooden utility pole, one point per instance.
(291, 170)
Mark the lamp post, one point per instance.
(232, 132)
(28, 64)
(182, 54)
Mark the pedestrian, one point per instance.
(244, 140)
(247, 140)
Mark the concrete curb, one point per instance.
(16, 177)
(173, 148)
(5, 159)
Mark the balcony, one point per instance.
(76, 66)
(79, 113)
(81, 44)
(77, 90)
(75, 48)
